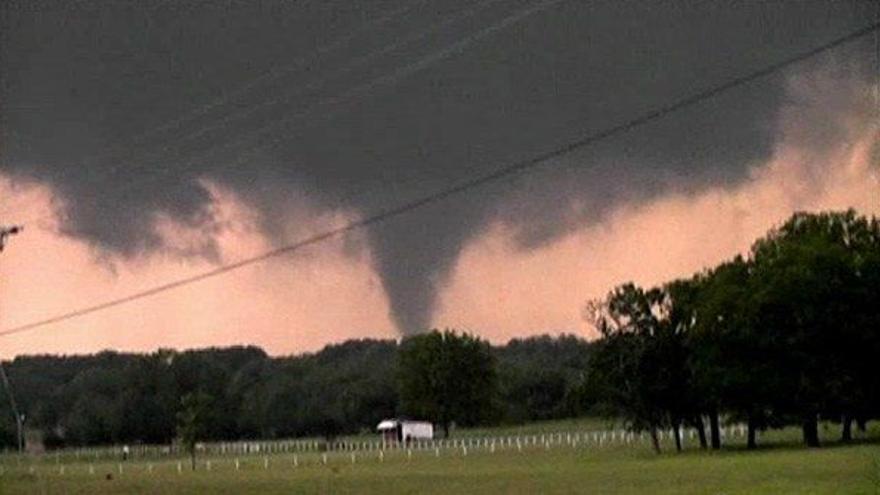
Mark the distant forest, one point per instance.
(115, 397)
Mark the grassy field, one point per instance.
(780, 467)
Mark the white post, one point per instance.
(436, 451)
(265, 463)
(208, 465)
(408, 454)
(91, 469)
(324, 458)
(120, 468)
(381, 456)
(179, 467)
(352, 457)
(237, 464)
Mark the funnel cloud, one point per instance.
(93, 93)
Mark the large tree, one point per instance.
(678, 318)
(734, 361)
(636, 369)
(447, 377)
(816, 291)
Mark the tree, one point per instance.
(677, 318)
(815, 287)
(447, 377)
(542, 377)
(735, 361)
(635, 369)
(192, 421)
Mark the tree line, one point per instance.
(127, 398)
(788, 335)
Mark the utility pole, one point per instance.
(5, 233)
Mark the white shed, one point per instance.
(404, 430)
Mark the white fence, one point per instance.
(236, 449)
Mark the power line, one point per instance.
(318, 83)
(515, 168)
(312, 114)
(252, 137)
(224, 98)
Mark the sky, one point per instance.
(146, 141)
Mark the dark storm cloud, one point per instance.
(79, 78)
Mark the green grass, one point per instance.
(780, 467)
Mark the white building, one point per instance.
(404, 430)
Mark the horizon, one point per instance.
(285, 356)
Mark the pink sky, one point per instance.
(328, 293)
